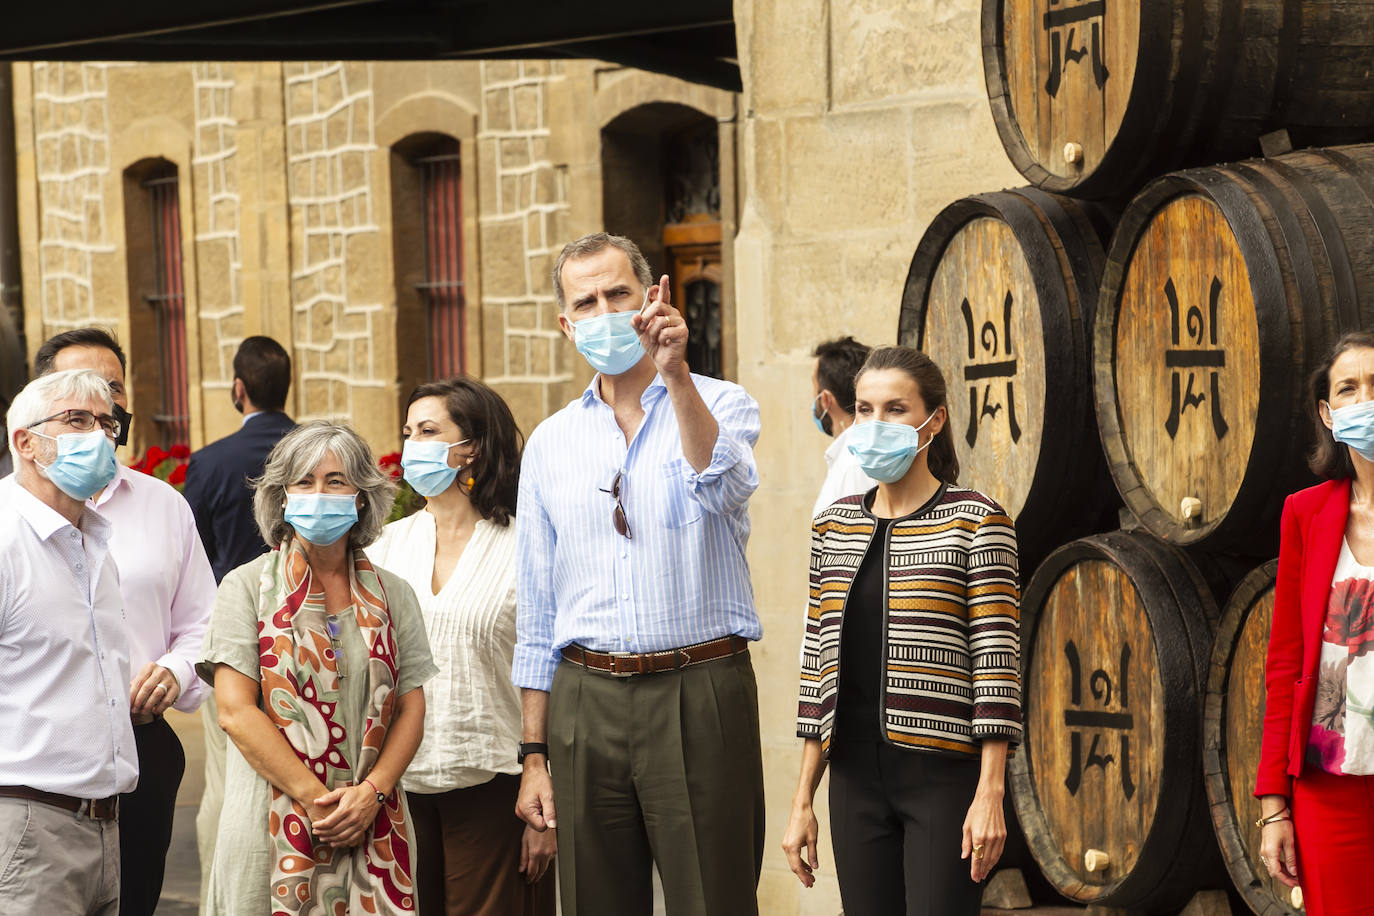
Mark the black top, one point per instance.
(859, 712)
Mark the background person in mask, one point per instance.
(218, 475)
(475, 856)
(317, 658)
(832, 409)
(636, 611)
(168, 592)
(918, 569)
(68, 745)
(1316, 771)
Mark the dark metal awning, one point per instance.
(694, 40)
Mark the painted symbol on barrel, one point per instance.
(1062, 26)
(1194, 358)
(1098, 721)
(1002, 365)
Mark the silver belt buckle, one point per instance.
(615, 667)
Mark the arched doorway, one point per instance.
(660, 170)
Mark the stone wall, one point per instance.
(523, 224)
(70, 116)
(289, 226)
(861, 121)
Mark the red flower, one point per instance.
(181, 451)
(154, 457)
(391, 463)
(1350, 616)
(178, 475)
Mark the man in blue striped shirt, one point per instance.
(636, 610)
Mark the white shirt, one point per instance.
(844, 477)
(472, 708)
(64, 653)
(164, 576)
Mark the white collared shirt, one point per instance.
(844, 477)
(472, 709)
(164, 576)
(64, 653)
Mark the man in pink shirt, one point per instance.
(168, 592)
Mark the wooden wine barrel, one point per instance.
(1224, 287)
(1091, 97)
(1116, 630)
(1000, 294)
(1232, 721)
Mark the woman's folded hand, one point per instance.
(352, 809)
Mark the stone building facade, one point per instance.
(300, 216)
(858, 122)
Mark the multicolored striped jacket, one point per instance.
(953, 646)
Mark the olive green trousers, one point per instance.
(658, 769)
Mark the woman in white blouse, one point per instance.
(475, 857)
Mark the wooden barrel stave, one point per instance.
(1131, 589)
(1052, 261)
(1179, 83)
(1233, 716)
(1297, 251)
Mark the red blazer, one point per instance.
(1310, 538)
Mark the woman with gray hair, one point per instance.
(317, 658)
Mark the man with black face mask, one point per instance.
(218, 474)
(832, 410)
(168, 592)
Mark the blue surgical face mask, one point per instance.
(609, 342)
(1353, 425)
(885, 450)
(425, 466)
(85, 463)
(820, 419)
(321, 518)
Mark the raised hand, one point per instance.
(663, 330)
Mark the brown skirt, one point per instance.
(467, 862)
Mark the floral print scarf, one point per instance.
(301, 692)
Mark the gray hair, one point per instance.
(35, 401)
(595, 243)
(297, 454)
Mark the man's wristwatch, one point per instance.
(531, 747)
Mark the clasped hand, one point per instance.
(342, 816)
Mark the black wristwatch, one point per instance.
(531, 747)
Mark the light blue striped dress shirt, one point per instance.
(681, 579)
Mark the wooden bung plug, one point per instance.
(1073, 152)
(1096, 860)
(1191, 509)
(1296, 898)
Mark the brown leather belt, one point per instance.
(100, 809)
(627, 664)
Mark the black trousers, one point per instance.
(145, 817)
(896, 825)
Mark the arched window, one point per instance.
(427, 223)
(157, 296)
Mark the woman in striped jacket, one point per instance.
(910, 685)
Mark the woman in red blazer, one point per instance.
(1316, 772)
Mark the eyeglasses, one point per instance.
(84, 421)
(618, 519)
(331, 624)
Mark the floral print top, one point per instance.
(1342, 736)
